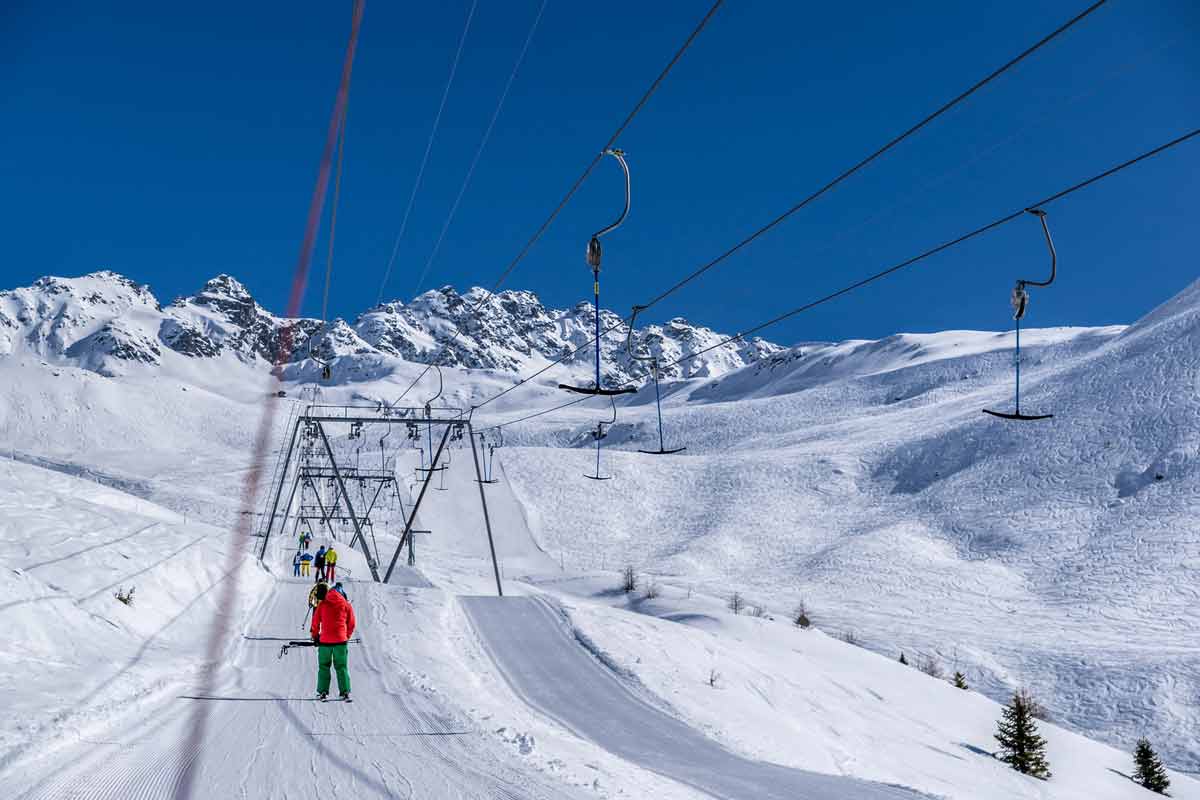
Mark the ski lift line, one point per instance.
(653, 359)
(946, 245)
(598, 435)
(219, 630)
(537, 235)
(559, 407)
(879, 152)
(827, 187)
(337, 193)
(487, 133)
(437, 120)
(897, 267)
(612, 140)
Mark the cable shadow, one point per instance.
(108, 543)
(332, 758)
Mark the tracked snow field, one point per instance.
(552, 672)
(271, 738)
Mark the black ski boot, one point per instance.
(346, 697)
(322, 696)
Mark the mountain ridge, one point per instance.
(105, 322)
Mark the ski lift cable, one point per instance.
(907, 262)
(437, 119)
(945, 107)
(552, 409)
(337, 193)
(948, 244)
(537, 235)
(326, 372)
(487, 133)
(879, 152)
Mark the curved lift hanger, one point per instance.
(1020, 301)
(429, 425)
(593, 260)
(653, 359)
(326, 369)
(489, 456)
(599, 434)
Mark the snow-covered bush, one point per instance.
(930, 666)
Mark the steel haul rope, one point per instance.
(962, 96)
(899, 266)
(574, 188)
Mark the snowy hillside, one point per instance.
(859, 476)
(1060, 555)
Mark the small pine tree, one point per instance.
(736, 603)
(960, 680)
(800, 616)
(1150, 772)
(1020, 745)
(903, 660)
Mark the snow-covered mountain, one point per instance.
(106, 323)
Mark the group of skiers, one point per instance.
(324, 563)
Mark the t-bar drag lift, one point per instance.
(1020, 301)
(593, 260)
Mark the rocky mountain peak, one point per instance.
(102, 319)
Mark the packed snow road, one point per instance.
(268, 736)
(534, 649)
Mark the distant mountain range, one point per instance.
(108, 323)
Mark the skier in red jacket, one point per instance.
(332, 626)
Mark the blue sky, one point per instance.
(171, 142)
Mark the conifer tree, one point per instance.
(903, 660)
(1020, 745)
(1150, 772)
(960, 680)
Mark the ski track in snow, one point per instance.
(551, 671)
(267, 723)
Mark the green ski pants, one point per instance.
(335, 655)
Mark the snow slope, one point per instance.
(860, 476)
(554, 674)
(78, 658)
(1060, 555)
(803, 699)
